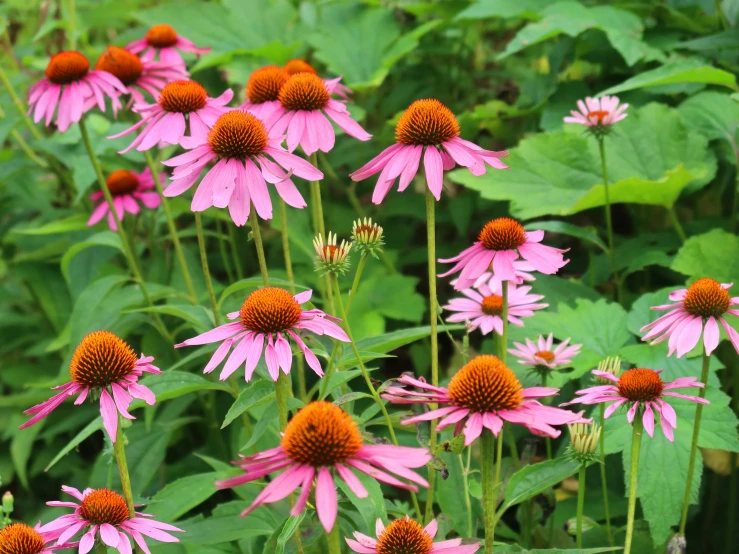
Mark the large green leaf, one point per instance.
(684, 71)
(482, 9)
(256, 394)
(651, 159)
(370, 508)
(714, 114)
(533, 479)
(182, 495)
(714, 254)
(172, 384)
(226, 525)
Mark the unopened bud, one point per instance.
(367, 236)
(584, 441)
(8, 503)
(331, 258)
(609, 365)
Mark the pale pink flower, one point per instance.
(521, 270)
(407, 535)
(246, 159)
(270, 315)
(68, 85)
(303, 114)
(181, 105)
(103, 514)
(163, 41)
(696, 310)
(128, 188)
(107, 366)
(598, 112)
(500, 243)
(323, 443)
(19, 538)
(642, 390)
(543, 353)
(486, 393)
(430, 130)
(483, 307)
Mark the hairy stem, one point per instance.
(431, 246)
(603, 480)
(633, 475)
(580, 504)
(609, 224)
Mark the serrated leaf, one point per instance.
(683, 71)
(256, 394)
(533, 479)
(714, 254)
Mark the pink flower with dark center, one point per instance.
(334, 85)
(164, 42)
(485, 393)
(181, 105)
(598, 112)
(500, 243)
(103, 514)
(263, 91)
(270, 315)
(543, 352)
(68, 85)
(323, 443)
(643, 391)
(19, 538)
(106, 366)
(246, 159)
(128, 188)
(305, 106)
(139, 75)
(407, 536)
(430, 130)
(483, 307)
(697, 309)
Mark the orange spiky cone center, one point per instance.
(426, 122)
(67, 67)
(502, 233)
(237, 135)
(486, 384)
(404, 536)
(270, 310)
(101, 359)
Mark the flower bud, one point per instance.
(584, 441)
(330, 258)
(367, 236)
(609, 365)
(8, 503)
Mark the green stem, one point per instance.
(676, 224)
(206, 270)
(694, 443)
(503, 353)
(101, 548)
(19, 105)
(172, 228)
(365, 374)
(28, 150)
(580, 504)
(609, 224)
(120, 458)
(222, 250)
(603, 481)
(235, 251)
(72, 26)
(355, 282)
(723, 22)
(431, 246)
(254, 220)
(467, 499)
(490, 481)
(319, 228)
(633, 479)
(334, 540)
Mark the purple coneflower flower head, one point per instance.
(483, 394)
(323, 443)
(181, 105)
(263, 91)
(68, 85)
(162, 41)
(521, 270)
(644, 392)
(334, 85)
(103, 514)
(128, 188)
(500, 243)
(267, 319)
(428, 130)
(102, 366)
(483, 307)
(696, 310)
(598, 113)
(19, 538)
(303, 114)
(544, 353)
(410, 537)
(246, 159)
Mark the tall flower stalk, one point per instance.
(119, 452)
(490, 458)
(607, 208)
(636, 435)
(206, 269)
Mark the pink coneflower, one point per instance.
(103, 514)
(598, 112)
(179, 104)
(69, 83)
(263, 91)
(19, 538)
(430, 130)
(695, 311)
(128, 188)
(305, 103)
(643, 390)
(322, 437)
(162, 40)
(241, 147)
(542, 353)
(139, 75)
(500, 242)
(268, 315)
(106, 366)
(486, 393)
(334, 85)
(483, 307)
(521, 269)
(408, 536)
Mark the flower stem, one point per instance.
(101, 548)
(19, 105)
(355, 282)
(120, 458)
(431, 245)
(633, 475)
(609, 224)
(206, 270)
(735, 196)
(676, 224)
(235, 251)
(72, 30)
(254, 221)
(127, 251)
(490, 457)
(222, 248)
(466, 484)
(603, 480)
(365, 374)
(694, 443)
(172, 228)
(319, 228)
(503, 352)
(334, 540)
(580, 504)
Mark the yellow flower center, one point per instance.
(238, 135)
(404, 536)
(502, 233)
(19, 538)
(707, 298)
(104, 506)
(426, 122)
(486, 384)
(121, 63)
(643, 385)
(101, 359)
(66, 67)
(270, 310)
(304, 91)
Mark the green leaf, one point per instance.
(450, 496)
(724, 40)
(482, 9)
(87, 431)
(501, 548)
(533, 479)
(651, 159)
(182, 495)
(200, 318)
(21, 447)
(288, 530)
(390, 341)
(683, 71)
(254, 283)
(74, 223)
(714, 114)
(226, 525)
(103, 238)
(173, 384)
(714, 254)
(256, 394)
(370, 508)
(565, 228)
